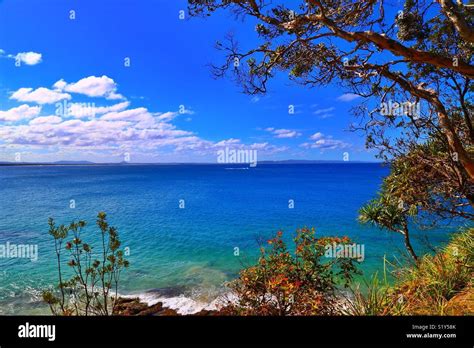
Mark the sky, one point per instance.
(119, 80)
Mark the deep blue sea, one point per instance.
(184, 254)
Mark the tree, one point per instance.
(87, 292)
(428, 179)
(420, 53)
(393, 216)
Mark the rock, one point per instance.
(205, 313)
(167, 312)
(128, 306)
(133, 306)
(152, 310)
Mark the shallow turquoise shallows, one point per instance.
(188, 251)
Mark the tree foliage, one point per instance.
(394, 216)
(301, 283)
(93, 287)
(418, 54)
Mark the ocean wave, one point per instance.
(183, 304)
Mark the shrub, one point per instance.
(95, 275)
(300, 283)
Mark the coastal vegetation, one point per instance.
(301, 283)
(388, 214)
(92, 288)
(308, 284)
(304, 280)
(441, 284)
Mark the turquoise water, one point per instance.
(190, 251)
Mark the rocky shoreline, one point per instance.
(135, 307)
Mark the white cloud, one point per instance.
(29, 58)
(347, 97)
(114, 96)
(317, 136)
(283, 133)
(40, 95)
(46, 120)
(324, 116)
(59, 85)
(92, 86)
(228, 142)
(119, 133)
(19, 113)
(168, 116)
(324, 142)
(115, 131)
(141, 115)
(324, 111)
(84, 110)
(171, 115)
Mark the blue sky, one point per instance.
(165, 106)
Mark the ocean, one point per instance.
(189, 228)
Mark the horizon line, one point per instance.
(288, 161)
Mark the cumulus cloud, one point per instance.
(228, 142)
(347, 97)
(19, 113)
(141, 116)
(106, 131)
(59, 85)
(317, 136)
(29, 58)
(46, 120)
(168, 116)
(114, 96)
(203, 147)
(92, 86)
(324, 142)
(283, 133)
(40, 95)
(52, 130)
(84, 110)
(135, 128)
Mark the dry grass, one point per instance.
(441, 284)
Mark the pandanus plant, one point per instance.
(388, 214)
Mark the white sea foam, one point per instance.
(184, 305)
